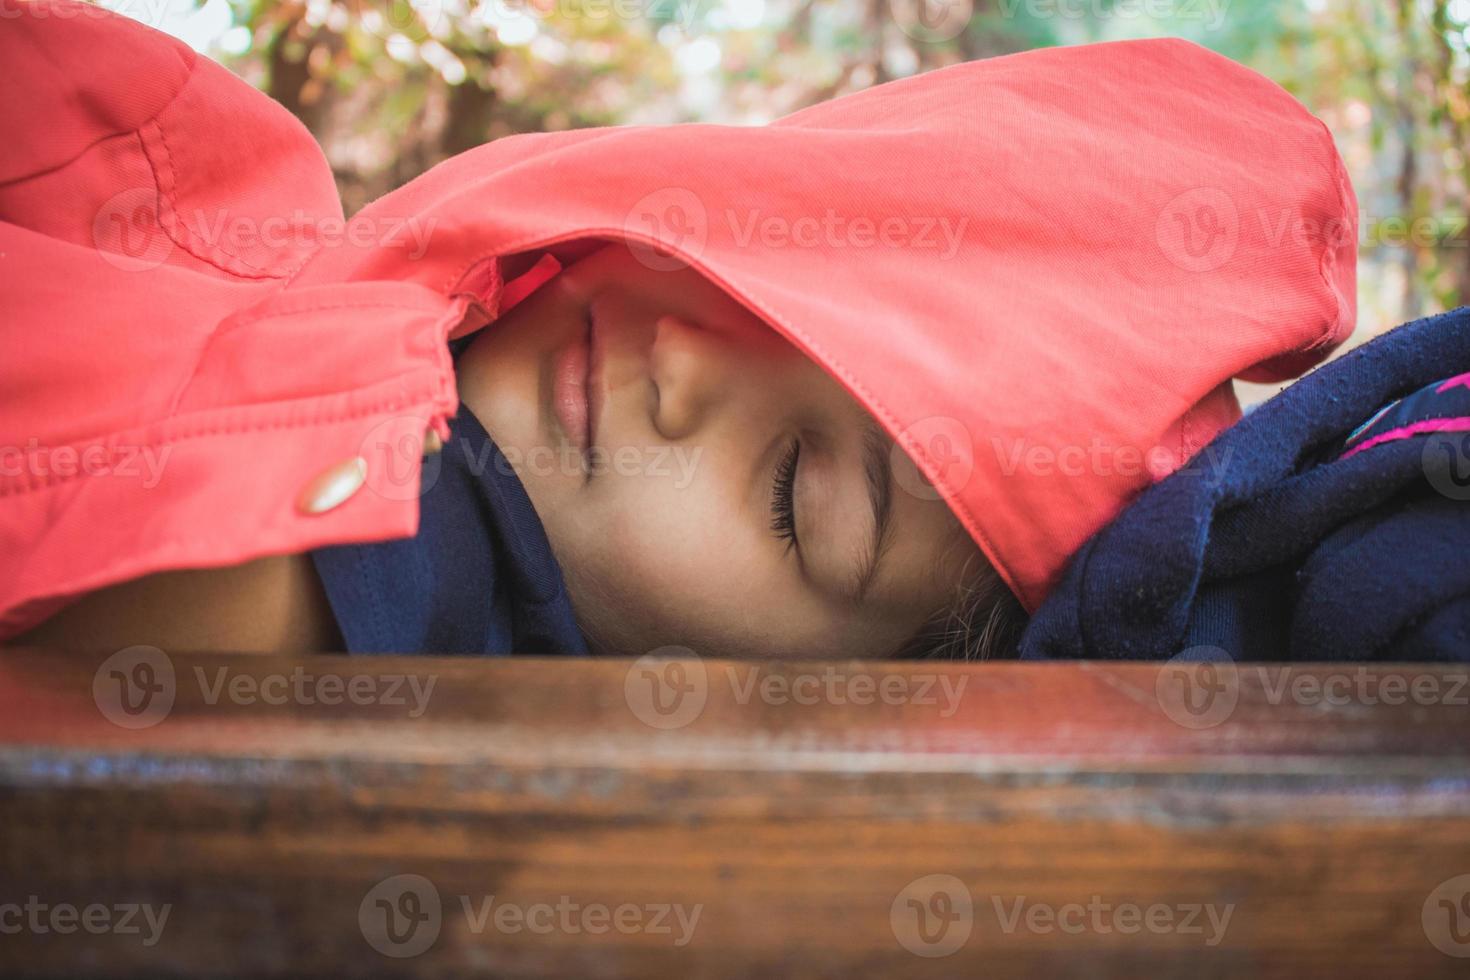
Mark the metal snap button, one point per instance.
(332, 486)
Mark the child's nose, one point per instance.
(686, 366)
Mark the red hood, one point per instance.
(1039, 272)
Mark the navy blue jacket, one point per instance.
(478, 577)
(1330, 523)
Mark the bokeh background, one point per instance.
(391, 87)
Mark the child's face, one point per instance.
(663, 525)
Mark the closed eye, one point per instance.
(783, 496)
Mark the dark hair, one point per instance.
(983, 621)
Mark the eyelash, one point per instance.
(783, 506)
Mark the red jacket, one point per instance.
(1038, 272)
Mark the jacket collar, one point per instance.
(477, 578)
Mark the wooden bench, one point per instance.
(705, 818)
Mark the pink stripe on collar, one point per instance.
(1453, 424)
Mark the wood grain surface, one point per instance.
(680, 817)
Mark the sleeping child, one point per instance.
(863, 382)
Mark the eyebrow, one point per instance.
(878, 474)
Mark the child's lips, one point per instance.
(596, 390)
(577, 387)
